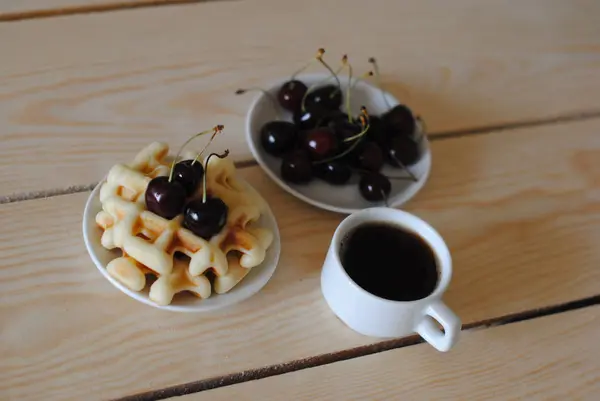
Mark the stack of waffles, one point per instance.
(162, 254)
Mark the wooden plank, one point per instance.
(19, 9)
(20, 6)
(551, 358)
(15, 10)
(107, 83)
(520, 211)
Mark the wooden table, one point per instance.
(511, 94)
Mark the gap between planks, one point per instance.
(581, 116)
(326, 359)
(73, 189)
(92, 8)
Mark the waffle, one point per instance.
(175, 259)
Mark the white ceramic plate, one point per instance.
(182, 302)
(341, 199)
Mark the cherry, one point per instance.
(322, 98)
(349, 130)
(377, 132)
(399, 121)
(197, 167)
(188, 173)
(403, 151)
(374, 187)
(296, 168)
(371, 157)
(334, 172)
(350, 145)
(320, 143)
(290, 94)
(165, 198)
(278, 137)
(205, 218)
(345, 129)
(331, 118)
(306, 120)
(327, 97)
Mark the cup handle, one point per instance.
(451, 323)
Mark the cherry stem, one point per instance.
(264, 92)
(220, 156)
(378, 79)
(320, 53)
(361, 78)
(412, 176)
(344, 153)
(319, 58)
(349, 89)
(294, 75)
(305, 95)
(216, 128)
(206, 146)
(364, 121)
(358, 138)
(360, 134)
(337, 73)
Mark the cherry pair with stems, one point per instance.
(167, 196)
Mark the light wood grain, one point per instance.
(551, 358)
(17, 10)
(520, 211)
(99, 86)
(19, 6)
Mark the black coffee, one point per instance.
(389, 262)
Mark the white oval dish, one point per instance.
(342, 199)
(250, 285)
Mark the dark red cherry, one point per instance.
(278, 137)
(345, 129)
(328, 97)
(321, 143)
(165, 198)
(374, 187)
(197, 167)
(377, 132)
(403, 149)
(290, 95)
(188, 175)
(371, 157)
(306, 120)
(334, 172)
(296, 168)
(331, 117)
(399, 121)
(205, 219)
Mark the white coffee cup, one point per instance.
(371, 315)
